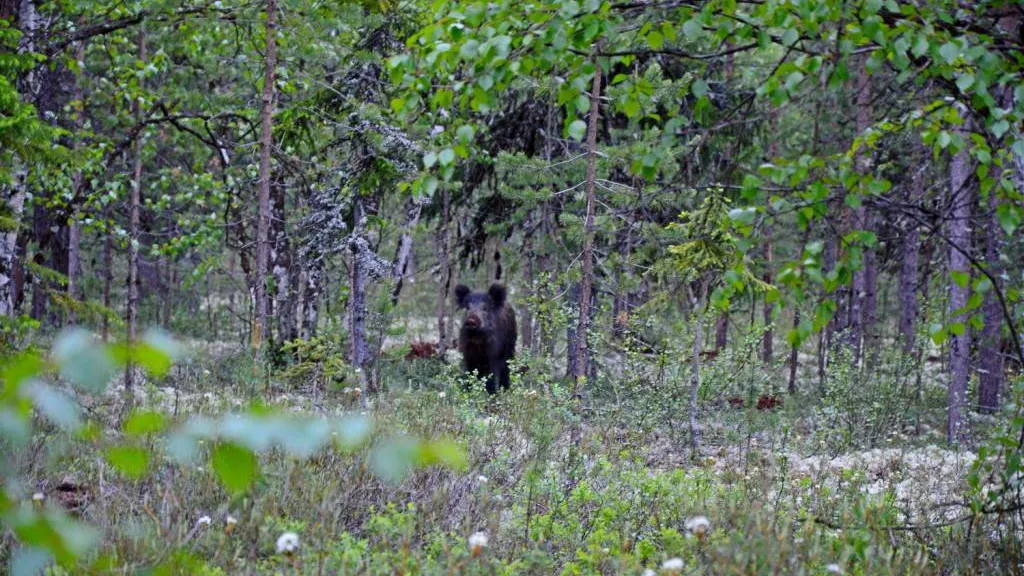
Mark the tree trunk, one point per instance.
(909, 270)
(444, 269)
(959, 233)
(266, 148)
(621, 305)
(990, 377)
(768, 340)
(863, 299)
(108, 273)
(722, 331)
(526, 322)
(697, 303)
(14, 197)
(794, 351)
(357, 305)
(586, 281)
(74, 228)
(133, 235)
(403, 253)
(828, 263)
(285, 298)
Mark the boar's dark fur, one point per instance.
(487, 338)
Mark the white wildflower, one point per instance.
(204, 521)
(206, 373)
(287, 543)
(477, 542)
(38, 497)
(229, 524)
(699, 526)
(674, 565)
(833, 569)
(481, 479)
(441, 395)
(648, 572)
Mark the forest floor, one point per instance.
(853, 483)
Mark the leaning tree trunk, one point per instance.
(959, 233)
(263, 202)
(133, 234)
(403, 253)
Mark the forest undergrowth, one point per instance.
(806, 486)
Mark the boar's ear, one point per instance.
(497, 293)
(461, 292)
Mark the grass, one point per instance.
(807, 488)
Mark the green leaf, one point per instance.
(1009, 218)
(429, 159)
(794, 79)
(699, 88)
(157, 352)
(655, 40)
(143, 422)
(55, 405)
(577, 129)
(429, 186)
(582, 103)
(692, 28)
(949, 52)
(999, 128)
(964, 82)
(957, 329)
(393, 460)
(920, 45)
(468, 50)
(744, 216)
(23, 367)
(443, 452)
(353, 431)
(83, 362)
(446, 157)
(235, 466)
(960, 278)
(790, 36)
(132, 461)
(30, 561)
(465, 134)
